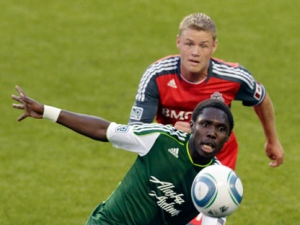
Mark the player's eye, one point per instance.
(204, 123)
(222, 128)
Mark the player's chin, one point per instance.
(207, 153)
(194, 69)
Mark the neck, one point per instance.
(193, 78)
(196, 157)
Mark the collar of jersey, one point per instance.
(195, 164)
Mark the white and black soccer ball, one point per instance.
(217, 191)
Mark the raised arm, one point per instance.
(90, 126)
(266, 115)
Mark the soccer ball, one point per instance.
(217, 191)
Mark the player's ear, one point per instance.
(177, 41)
(215, 45)
(192, 125)
(228, 136)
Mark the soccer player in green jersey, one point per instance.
(157, 188)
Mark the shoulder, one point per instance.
(231, 71)
(166, 64)
(168, 130)
(221, 65)
(170, 59)
(223, 62)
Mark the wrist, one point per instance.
(51, 113)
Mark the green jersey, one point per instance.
(157, 188)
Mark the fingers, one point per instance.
(275, 162)
(17, 98)
(19, 89)
(20, 99)
(21, 92)
(18, 106)
(275, 153)
(22, 117)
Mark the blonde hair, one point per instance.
(199, 22)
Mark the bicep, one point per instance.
(251, 92)
(123, 136)
(143, 112)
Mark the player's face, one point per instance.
(209, 133)
(196, 49)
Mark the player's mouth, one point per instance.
(207, 147)
(194, 62)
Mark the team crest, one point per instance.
(217, 95)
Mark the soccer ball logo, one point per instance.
(217, 191)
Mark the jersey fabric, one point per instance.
(165, 96)
(157, 188)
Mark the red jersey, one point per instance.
(165, 96)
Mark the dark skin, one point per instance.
(209, 132)
(90, 126)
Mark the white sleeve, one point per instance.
(122, 136)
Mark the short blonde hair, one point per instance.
(200, 22)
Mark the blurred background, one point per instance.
(88, 56)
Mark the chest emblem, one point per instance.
(174, 151)
(172, 84)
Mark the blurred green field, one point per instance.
(88, 56)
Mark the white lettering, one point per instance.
(178, 115)
(164, 201)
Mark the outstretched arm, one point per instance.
(266, 115)
(90, 126)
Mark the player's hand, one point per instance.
(31, 107)
(184, 126)
(275, 152)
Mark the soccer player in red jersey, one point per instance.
(171, 87)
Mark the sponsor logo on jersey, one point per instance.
(136, 113)
(168, 198)
(174, 151)
(178, 115)
(122, 128)
(172, 83)
(258, 91)
(217, 95)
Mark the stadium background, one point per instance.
(88, 56)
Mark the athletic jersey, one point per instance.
(165, 96)
(157, 188)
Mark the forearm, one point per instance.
(90, 126)
(266, 115)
